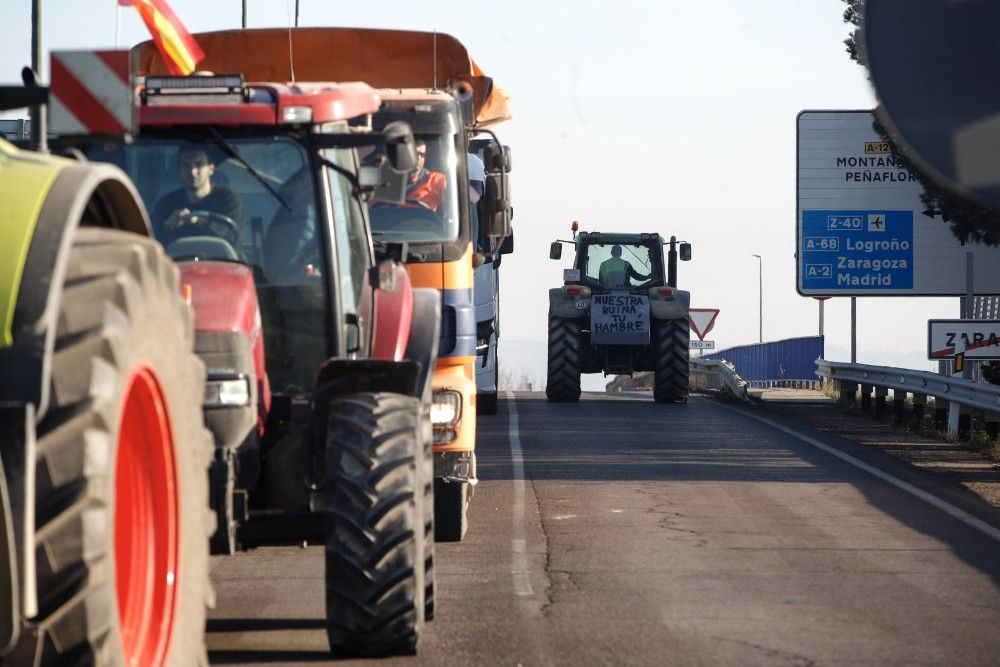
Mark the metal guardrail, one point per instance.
(714, 374)
(949, 388)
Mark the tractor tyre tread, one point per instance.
(375, 566)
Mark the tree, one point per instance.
(969, 219)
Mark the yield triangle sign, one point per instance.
(702, 320)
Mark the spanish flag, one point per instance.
(179, 50)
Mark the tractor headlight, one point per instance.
(234, 392)
(446, 408)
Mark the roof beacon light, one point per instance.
(297, 114)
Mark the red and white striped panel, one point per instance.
(90, 93)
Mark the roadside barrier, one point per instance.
(874, 382)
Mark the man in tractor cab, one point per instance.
(425, 187)
(616, 272)
(181, 207)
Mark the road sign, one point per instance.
(702, 320)
(935, 66)
(90, 93)
(861, 227)
(978, 339)
(702, 344)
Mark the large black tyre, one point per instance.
(487, 402)
(451, 510)
(375, 566)
(670, 382)
(124, 344)
(427, 433)
(563, 382)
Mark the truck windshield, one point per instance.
(620, 265)
(430, 212)
(205, 205)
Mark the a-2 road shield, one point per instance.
(619, 318)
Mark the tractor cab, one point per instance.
(226, 181)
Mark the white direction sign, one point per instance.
(978, 339)
(702, 320)
(702, 344)
(861, 229)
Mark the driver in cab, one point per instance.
(616, 272)
(195, 203)
(425, 187)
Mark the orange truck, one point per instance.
(429, 81)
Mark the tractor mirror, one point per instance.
(388, 185)
(400, 147)
(685, 252)
(555, 250)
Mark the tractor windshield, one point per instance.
(207, 200)
(430, 212)
(206, 204)
(620, 265)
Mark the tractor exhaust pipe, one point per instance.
(672, 262)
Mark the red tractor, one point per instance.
(318, 351)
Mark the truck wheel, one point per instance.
(451, 510)
(488, 402)
(563, 383)
(670, 384)
(374, 525)
(429, 577)
(121, 502)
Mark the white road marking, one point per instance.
(519, 562)
(930, 499)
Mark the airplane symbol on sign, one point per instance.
(876, 223)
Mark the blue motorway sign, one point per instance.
(856, 250)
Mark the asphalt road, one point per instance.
(617, 531)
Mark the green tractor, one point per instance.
(619, 311)
(104, 456)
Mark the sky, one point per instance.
(632, 116)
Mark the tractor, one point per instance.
(104, 501)
(619, 311)
(428, 81)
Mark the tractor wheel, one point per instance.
(375, 541)
(670, 384)
(563, 383)
(121, 505)
(451, 510)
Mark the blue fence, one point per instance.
(789, 359)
